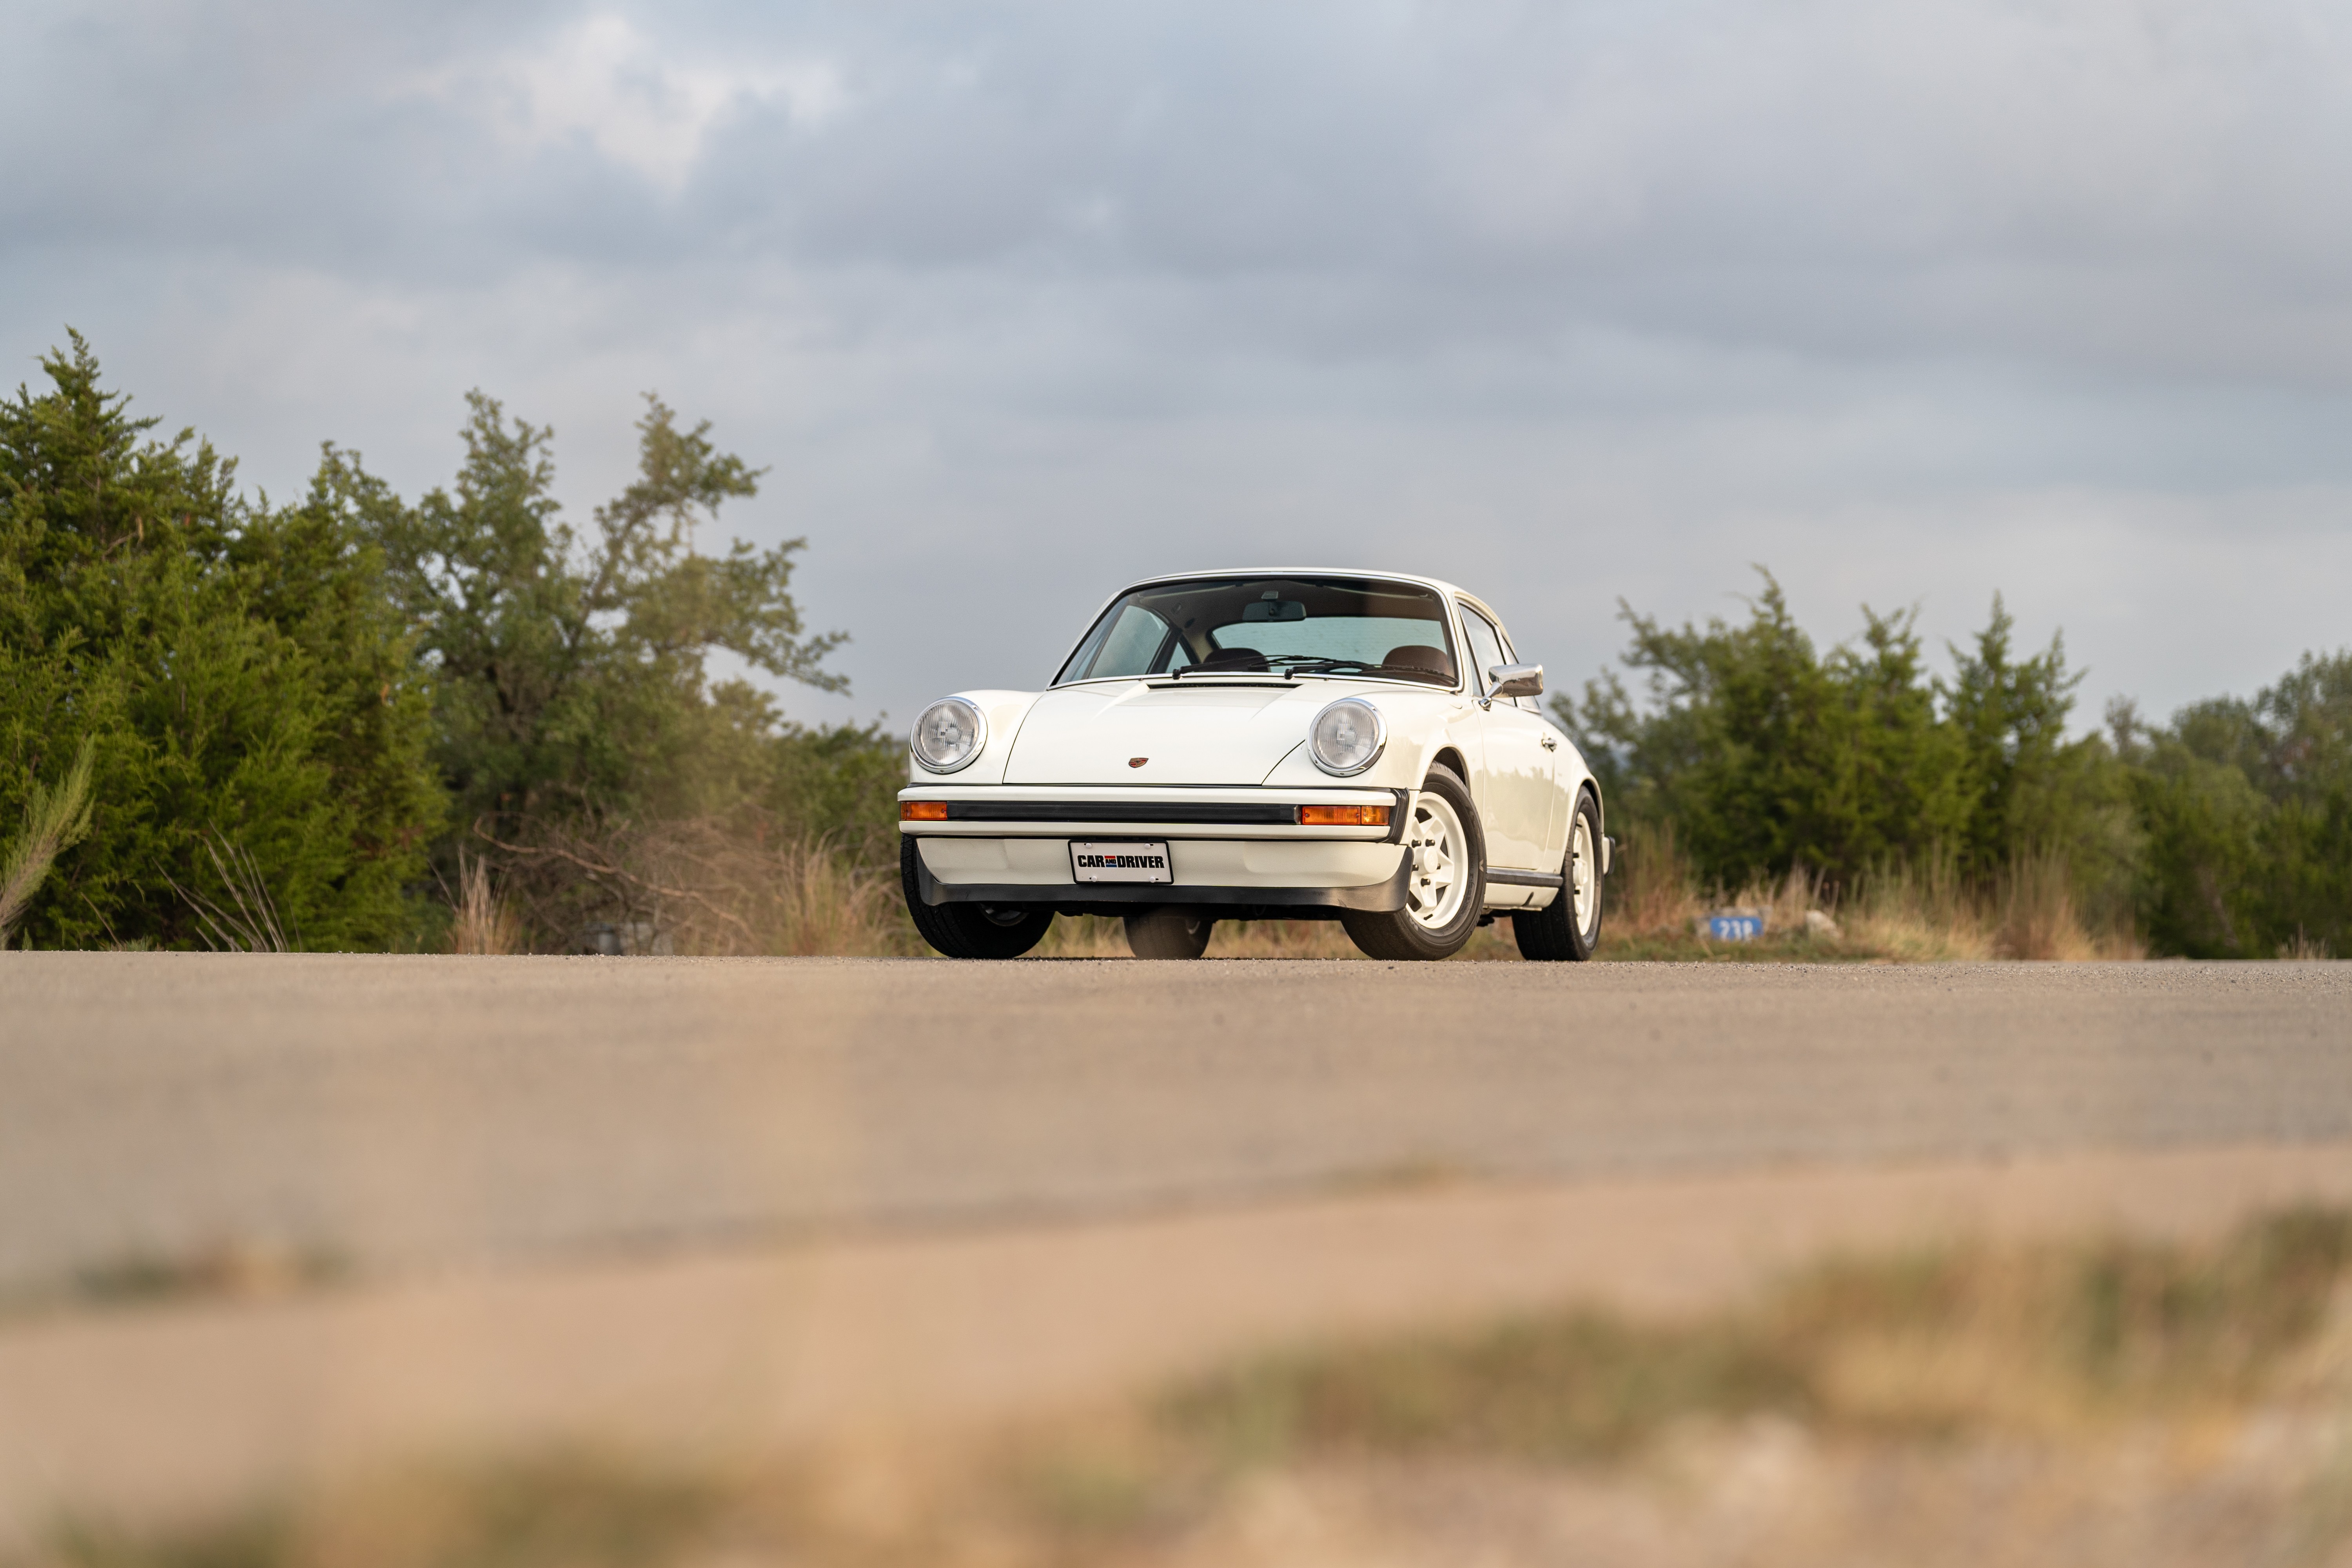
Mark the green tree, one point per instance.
(1765, 753)
(2034, 790)
(232, 667)
(2247, 806)
(840, 782)
(2010, 716)
(572, 678)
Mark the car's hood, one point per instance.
(1184, 734)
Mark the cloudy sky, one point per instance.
(1910, 302)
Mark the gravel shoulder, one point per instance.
(866, 1352)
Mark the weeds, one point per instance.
(738, 887)
(562, 1511)
(234, 1270)
(1918, 911)
(708, 886)
(1921, 912)
(2035, 1340)
(481, 922)
(55, 819)
(2056, 1351)
(247, 922)
(1586, 1386)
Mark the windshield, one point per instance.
(1291, 625)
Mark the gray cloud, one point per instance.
(1567, 300)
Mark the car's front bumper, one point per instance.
(1238, 850)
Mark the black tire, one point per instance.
(969, 930)
(1169, 933)
(1399, 935)
(1567, 929)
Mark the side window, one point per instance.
(1485, 645)
(1132, 642)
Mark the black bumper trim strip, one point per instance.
(1231, 814)
(1525, 879)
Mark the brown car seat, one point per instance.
(1419, 655)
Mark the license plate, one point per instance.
(1116, 861)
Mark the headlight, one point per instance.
(1347, 737)
(949, 736)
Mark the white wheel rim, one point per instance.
(1581, 875)
(1439, 878)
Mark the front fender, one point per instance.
(1420, 727)
(1004, 711)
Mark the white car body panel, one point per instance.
(1232, 743)
(1188, 732)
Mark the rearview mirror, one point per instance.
(1515, 681)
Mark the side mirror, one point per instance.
(1515, 681)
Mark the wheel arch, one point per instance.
(1591, 785)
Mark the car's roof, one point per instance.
(1439, 583)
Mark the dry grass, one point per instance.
(1920, 912)
(55, 819)
(2046, 1341)
(733, 889)
(2303, 949)
(2072, 1405)
(704, 887)
(739, 888)
(482, 922)
(2038, 915)
(1906, 912)
(572, 1510)
(233, 1270)
(245, 918)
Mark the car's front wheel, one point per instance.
(1445, 884)
(969, 930)
(1569, 928)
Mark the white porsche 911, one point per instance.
(1260, 745)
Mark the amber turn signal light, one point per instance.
(930, 811)
(1343, 817)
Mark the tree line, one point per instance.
(296, 723)
(226, 722)
(2226, 833)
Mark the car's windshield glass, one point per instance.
(1296, 625)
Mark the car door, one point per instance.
(1549, 739)
(1515, 797)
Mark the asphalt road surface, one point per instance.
(424, 1113)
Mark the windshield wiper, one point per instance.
(1195, 672)
(1317, 664)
